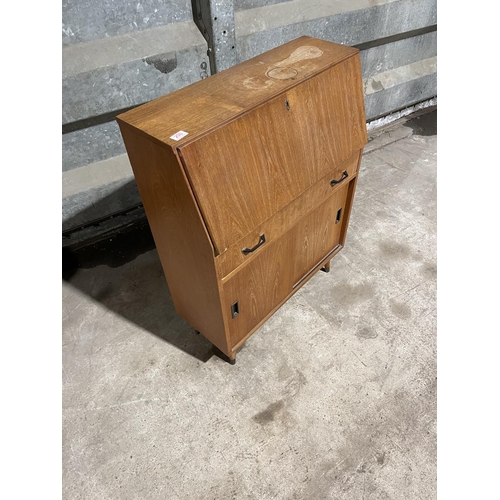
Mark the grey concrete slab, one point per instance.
(385, 101)
(256, 35)
(85, 57)
(96, 175)
(334, 397)
(86, 20)
(91, 144)
(252, 4)
(401, 53)
(115, 87)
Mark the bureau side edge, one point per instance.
(184, 248)
(350, 201)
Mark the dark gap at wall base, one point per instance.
(115, 250)
(409, 105)
(396, 38)
(96, 222)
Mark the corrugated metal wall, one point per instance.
(118, 54)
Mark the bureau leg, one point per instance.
(220, 354)
(326, 267)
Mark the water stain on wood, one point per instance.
(254, 82)
(283, 70)
(300, 54)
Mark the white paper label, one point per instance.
(178, 135)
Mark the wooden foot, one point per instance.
(197, 332)
(223, 356)
(326, 267)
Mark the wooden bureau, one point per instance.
(247, 180)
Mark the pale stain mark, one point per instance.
(299, 54)
(282, 70)
(254, 83)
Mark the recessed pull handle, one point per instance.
(345, 175)
(262, 240)
(235, 310)
(339, 215)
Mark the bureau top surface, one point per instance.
(209, 103)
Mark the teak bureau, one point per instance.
(247, 180)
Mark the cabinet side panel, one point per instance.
(183, 245)
(349, 202)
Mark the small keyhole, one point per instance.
(339, 214)
(287, 105)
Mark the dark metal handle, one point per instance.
(345, 175)
(262, 240)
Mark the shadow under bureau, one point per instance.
(247, 180)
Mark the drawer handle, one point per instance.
(262, 240)
(345, 175)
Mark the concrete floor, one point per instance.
(334, 397)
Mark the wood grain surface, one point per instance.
(263, 283)
(250, 151)
(245, 171)
(280, 222)
(206, 104)
(349, 204)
